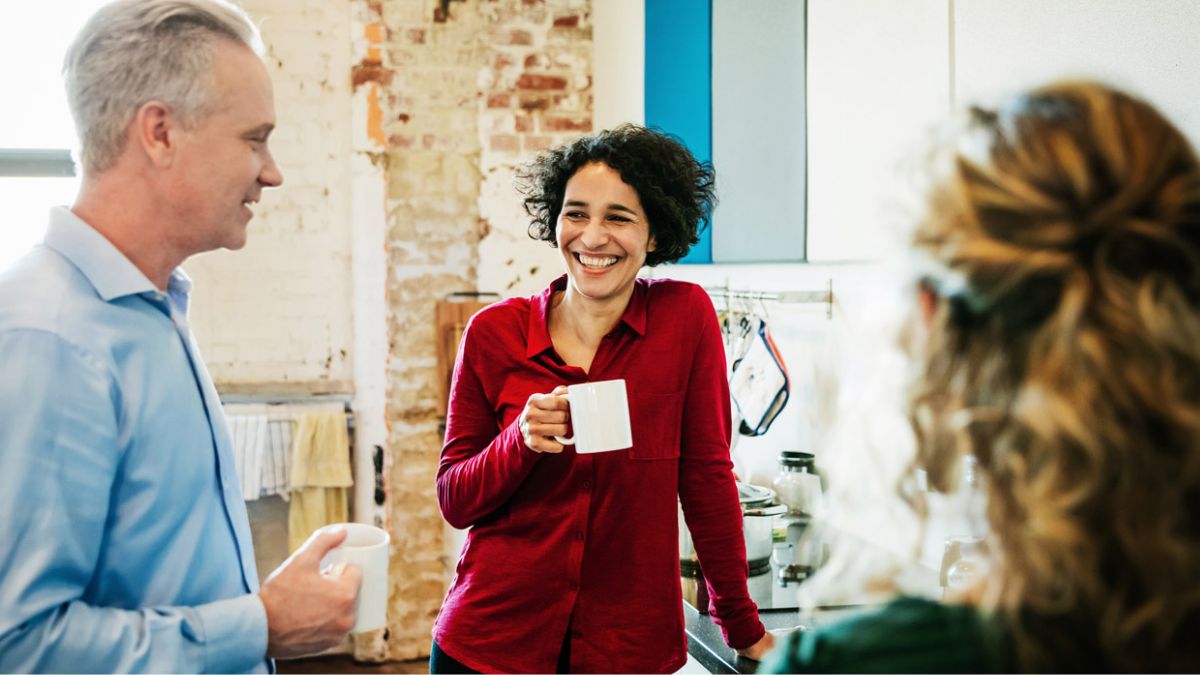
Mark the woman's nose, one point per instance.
(594, 235)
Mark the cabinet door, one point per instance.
(878, 81)
(1148, 48)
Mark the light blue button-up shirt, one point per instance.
(124, 541)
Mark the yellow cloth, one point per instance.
(320, 475)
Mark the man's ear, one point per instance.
(928, 301)
(154, 131)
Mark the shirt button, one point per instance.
(587, 484)
(574, 586)
(578, 536)
(577, 634)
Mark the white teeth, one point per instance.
(597, 262)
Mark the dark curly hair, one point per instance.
(676, 190)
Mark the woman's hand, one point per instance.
(544, 417)
(759, 649)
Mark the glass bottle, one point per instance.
(796, 484)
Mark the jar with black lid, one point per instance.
(797, 484)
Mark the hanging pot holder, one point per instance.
(759, 384)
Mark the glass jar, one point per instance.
(796, 484)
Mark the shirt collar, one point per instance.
(539, 314)
(105, 267)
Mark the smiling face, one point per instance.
(603, 234)
(223, 160)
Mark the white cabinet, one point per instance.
(758, 130)
(878, 80)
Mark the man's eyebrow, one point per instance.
(261, 130)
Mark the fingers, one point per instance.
(322, 542)
(552, 401)
(544, 417)
(351, 576)
(535, 429)
(538, 440)
(543, 444)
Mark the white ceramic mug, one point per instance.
(599, 416)
(365, 547)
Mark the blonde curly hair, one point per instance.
(1063, 353)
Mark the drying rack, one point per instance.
(346, 401)
(824, 296)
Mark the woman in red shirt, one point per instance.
(571, 563)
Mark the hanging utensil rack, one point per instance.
(824, 296)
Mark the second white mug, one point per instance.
(365, 547)
(599, 416)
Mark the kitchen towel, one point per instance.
(320, 474)
(249, 445)
(277, 459)
(759, 384)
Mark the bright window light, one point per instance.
(33, 39)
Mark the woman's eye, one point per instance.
(619, 219)
(576, 214)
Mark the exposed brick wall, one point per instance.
(456, 101)
(536, 94)
(464, 96)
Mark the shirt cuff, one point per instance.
(235, 635)
(742, 630)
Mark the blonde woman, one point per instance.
(1059, 345)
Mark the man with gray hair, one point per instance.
(126, 542)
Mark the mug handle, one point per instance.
(565, 440)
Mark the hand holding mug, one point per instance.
(599, 413)
(544, 417)
(307, 610)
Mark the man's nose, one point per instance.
(271, 176)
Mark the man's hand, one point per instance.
(759, 649)
(308, 611)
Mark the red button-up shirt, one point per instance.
(590, 543)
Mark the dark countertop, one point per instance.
(709, 649)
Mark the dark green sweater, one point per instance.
(908, 635)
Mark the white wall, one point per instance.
(1149, 47)
(277, 315)
(618, 62)
(878, 76)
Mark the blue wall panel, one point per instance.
(679, 82)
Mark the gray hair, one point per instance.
(134, 51)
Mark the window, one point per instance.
(36, 132)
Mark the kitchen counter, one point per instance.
(777, 608)
(709, 649)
